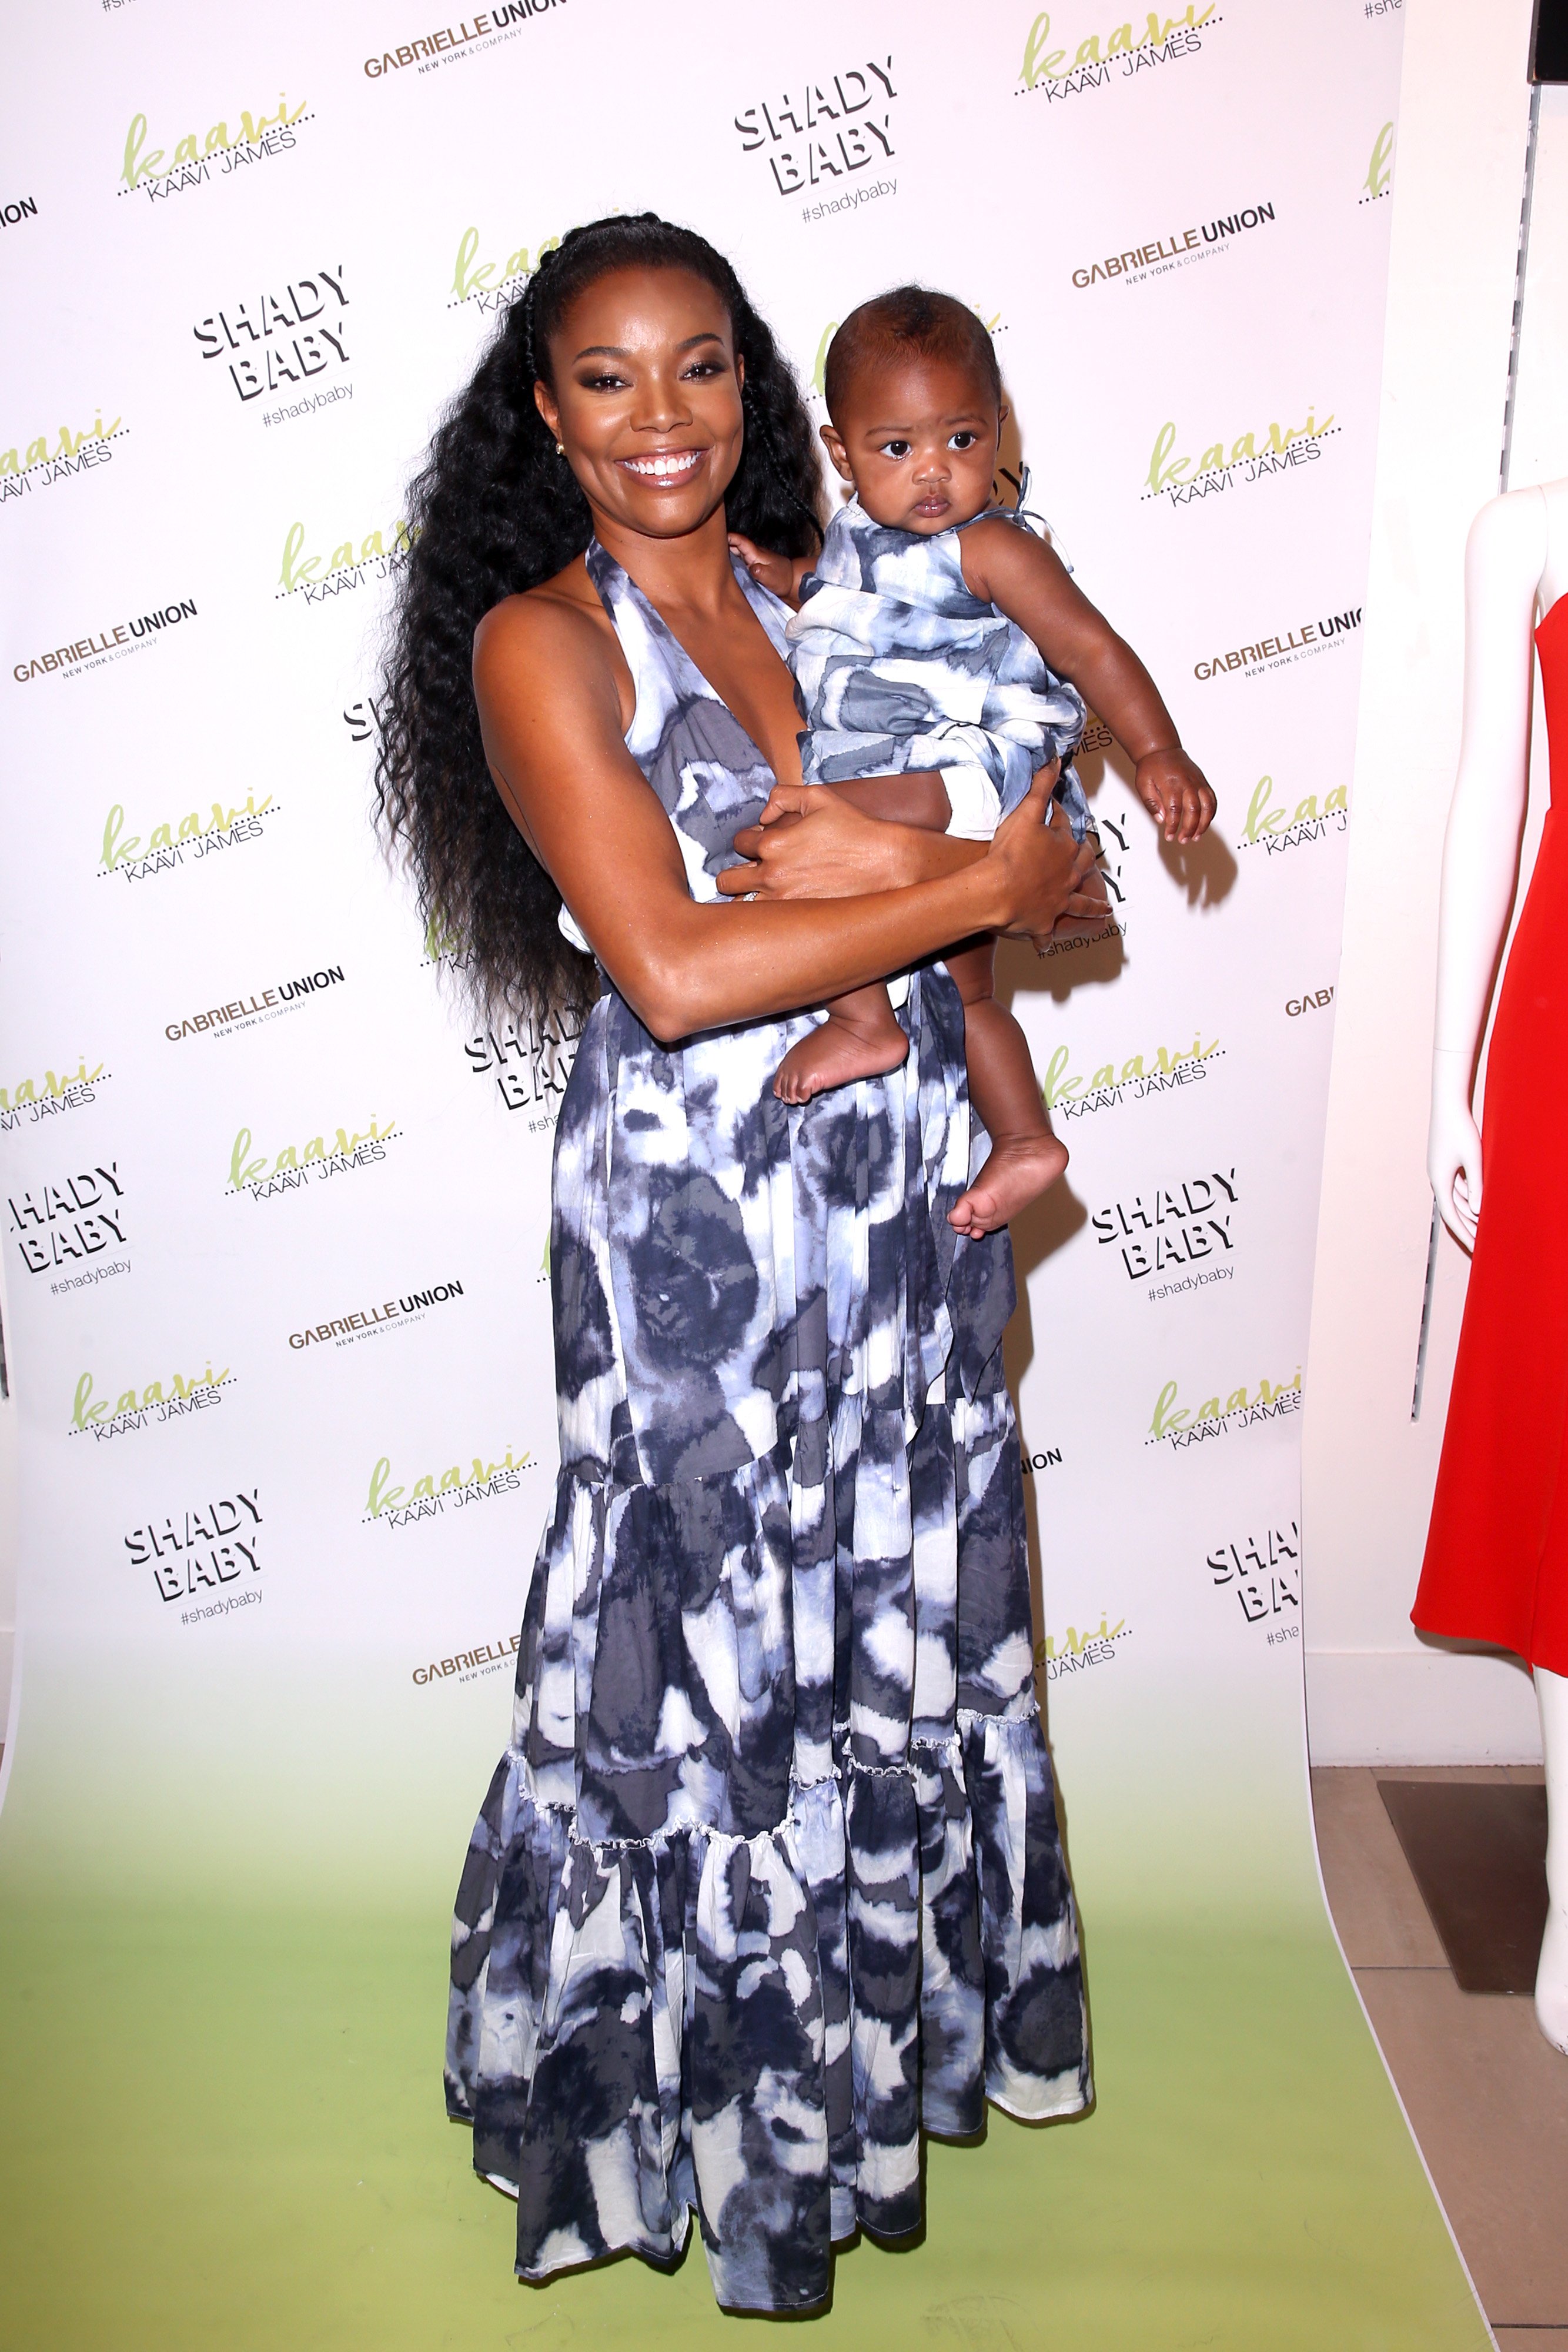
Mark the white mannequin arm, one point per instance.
(1504, 561)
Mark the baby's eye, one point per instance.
(965, 440)
(897, 449)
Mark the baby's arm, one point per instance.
(780, 574)
(1026, 579)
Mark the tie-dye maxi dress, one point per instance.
(769, 1879)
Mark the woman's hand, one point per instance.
(1043, 873)
(1454, 1152)
(811, 844)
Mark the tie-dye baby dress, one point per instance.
(902, 669)
(768, 1878)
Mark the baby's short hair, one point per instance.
(914, 320)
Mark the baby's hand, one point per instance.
(1177, 793)
(780, 574)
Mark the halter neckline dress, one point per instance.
(768, 1878)
(1496, 1565)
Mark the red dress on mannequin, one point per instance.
(1497, 1550)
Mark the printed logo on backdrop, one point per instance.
(487, 29)
(1264, 1573)
(474, 282)
(1158, 257)
(1312, 1000)
(531, 1065)
(1379, 180)
(1133, 1080)
(29, 1101)
(1181, 1230)
(1056, 66)
(364, 721)
(301, 574)
(18, 209)
(173, 843)
(249, 1012)
(272, 342)
(30, 464)
(1286, 449)
(371, 1322)
(822, 133)
(434, 1492)
(1175, 1424)
(100, 647)
(206, 1554)
(72, 1228)
(1111, 860)
(1302, 643)
(1270, 827)
(469, 1666)
(1095, 1646)
(200, 160)
(267, 1176)
(144, 1405)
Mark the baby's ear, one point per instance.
(834, 446)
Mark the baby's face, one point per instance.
(918, 438)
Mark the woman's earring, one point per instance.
(559, 449)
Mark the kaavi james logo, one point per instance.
(345, 570)
(531, 1064)
(212, 1545)
(29, 466)
(199, 162)
(71, 1224)
(296, 1165)
(488, 28)
(835, 127)
(428, 1496)
(138, 1407)
(1265, 1574)
(246, 1012)
(1130, 1081)
(1175, 1424)
(103, 645)
(32, 1100)
(1107, 62)
(475, 282)
(1379, 180)
(1177, 1225)
(169, 843)
(1285, 449)
(271, 340)
(1273, 830)
(1302, 643)
(366, 1322)
(1094, 1646)
(1184, 246)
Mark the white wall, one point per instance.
(1375, 1691)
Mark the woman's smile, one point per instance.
(669, 469)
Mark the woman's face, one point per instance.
(647, 398)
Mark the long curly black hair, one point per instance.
(494, 512)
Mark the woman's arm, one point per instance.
(1028, 580)
(551, 714)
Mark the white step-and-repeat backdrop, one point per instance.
(275, 1201)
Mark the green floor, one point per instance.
(226, 2132)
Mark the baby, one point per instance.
(934, 643)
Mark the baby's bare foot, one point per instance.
(1019, 1171)
(834, 1054)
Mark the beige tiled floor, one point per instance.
(1486, 2095)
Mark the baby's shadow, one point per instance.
(1207, 869)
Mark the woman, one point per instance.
(770, 1876)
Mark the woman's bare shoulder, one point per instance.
(557, 634)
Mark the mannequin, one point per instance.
(1497, 1555)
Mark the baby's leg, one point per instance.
(860, 1038)
(1026, 1157)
